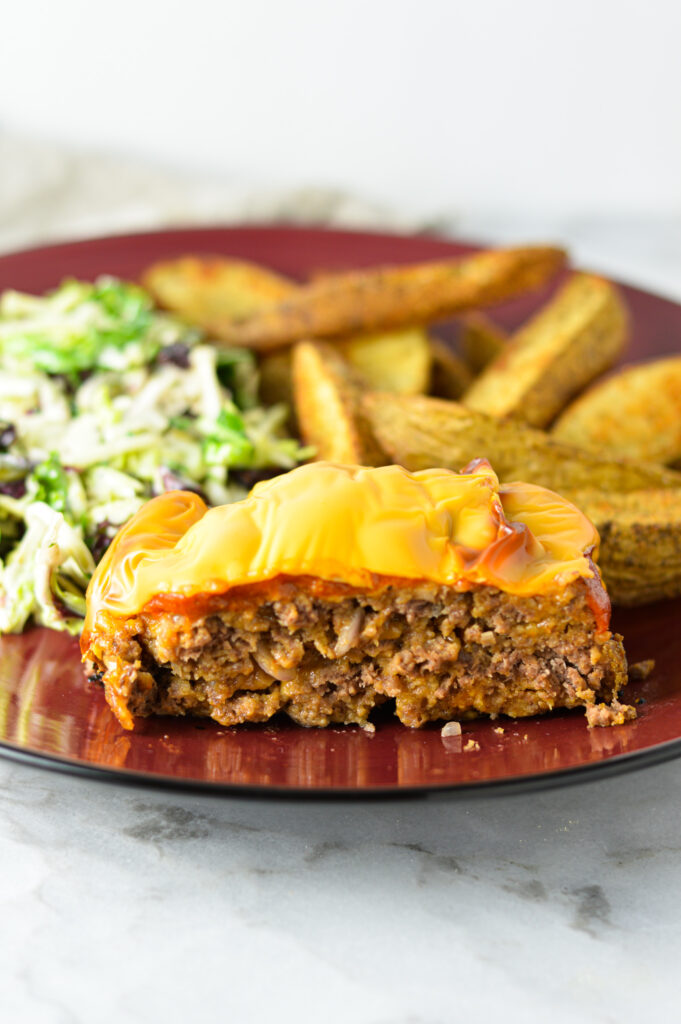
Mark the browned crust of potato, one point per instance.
(419, 432)
(328, 402)
(575, 337)
(635, 413)
(204, 288)
(481, 341)
(384, 298)
(640, 531)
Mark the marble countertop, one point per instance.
(130, 905)
(142, 905)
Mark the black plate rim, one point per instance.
(594, 771)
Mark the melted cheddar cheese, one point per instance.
(348, 524)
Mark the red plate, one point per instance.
(50, 715)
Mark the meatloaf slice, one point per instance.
(329, 653)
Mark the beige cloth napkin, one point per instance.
(49, 192)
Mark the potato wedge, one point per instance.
(202, 289)
(636, 413)
(328, 402)
(640, 534)
(449, 376)
(420, 432)
(481, 342)
(399, 361)
(573, 339)
(381, 299)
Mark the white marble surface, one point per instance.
(132, 905)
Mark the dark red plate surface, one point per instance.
(50, 715)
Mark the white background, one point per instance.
(431, 105)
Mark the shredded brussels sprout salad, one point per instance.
(106, 401)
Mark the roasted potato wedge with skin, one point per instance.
(578, 335)
(482, 341)
(640, 532)
(202, 289)
(419, 432)
(399, 361)
(636, 413)
(449, 377)
(328, 402)
(374, 300)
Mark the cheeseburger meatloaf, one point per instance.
(331, 590)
